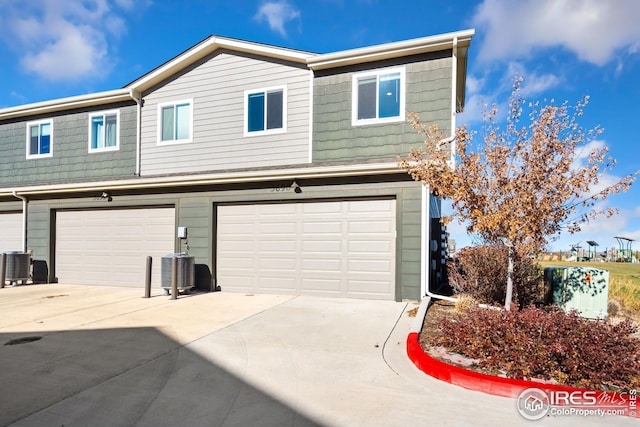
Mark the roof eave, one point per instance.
(208, 46)
(81, 101)
(391, 50)
(461, 78)
(214, 178)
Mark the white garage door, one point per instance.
(343, 248)
(110, 247)
(10, 232)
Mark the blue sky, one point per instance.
(564, 49)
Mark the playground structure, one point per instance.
(622, 253)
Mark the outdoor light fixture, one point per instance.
(104, 196)
(296, 187)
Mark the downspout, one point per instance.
(138, 98)
(454, 98)
(311, 75)
(425, 246)
(24, 219)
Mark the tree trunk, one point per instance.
(509, 296)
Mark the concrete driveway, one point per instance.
(104, 356)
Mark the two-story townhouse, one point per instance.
(281, 165)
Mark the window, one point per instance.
(264, 110)
(39, 139)
(378, 97)
(175, 122)
(103, 131)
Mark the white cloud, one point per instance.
(62, 40)
(583, 153)
(277, 14)
(601, 230)
(480, 95)
(72, 54)
(594, 30)
(534, 82)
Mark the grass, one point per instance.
(624, 280)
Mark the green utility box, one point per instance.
(583, 289)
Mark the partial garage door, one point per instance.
(10, 232)
(110, 247)
(341, 248)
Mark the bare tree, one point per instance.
(522, 184)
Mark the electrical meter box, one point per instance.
(584, 289)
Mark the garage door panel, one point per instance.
(288, 246)
(332, 227)
(271, 210)
(309, 248)
(235, 262)
(321, 265)
(110, 247)
(370, 246)
(276, 229)
(322, 208)
(238, 228)
(368, 266)
(370, 227)
(236, 245)
(278, 283)
(325, 285)
(272, 263)
(381, 206)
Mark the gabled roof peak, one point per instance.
(314, 61)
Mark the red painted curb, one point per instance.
(497, 386)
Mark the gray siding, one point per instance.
(428, 92)
(71, 160)
(217, 86)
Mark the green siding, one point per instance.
(428, 92)
(38, 230)
(71, 160)
(195, 210)
(409, 242)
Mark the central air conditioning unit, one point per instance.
(185, 266)
(18, 267)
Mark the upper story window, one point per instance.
(378, 97)
(265, 110)
(175, 121)
(39, 139)
(104, 132)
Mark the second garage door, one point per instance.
(338, 248)
(110, 247)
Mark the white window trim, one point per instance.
(159, 124)
(283, 129)
(103, 114)
(377, 74)
(28, 139)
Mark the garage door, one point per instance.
(110, 247)
(10, 232)
(342, 248)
